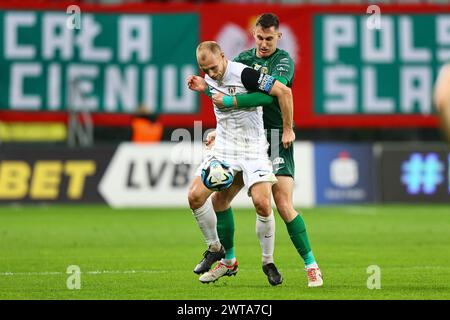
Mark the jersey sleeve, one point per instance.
(238, 58)
(256, 81)
(283, 68)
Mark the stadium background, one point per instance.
(368, 140)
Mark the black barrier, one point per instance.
(415, 173)
(44, 174)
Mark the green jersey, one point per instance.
(279, 65)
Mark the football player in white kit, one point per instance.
(242, 144)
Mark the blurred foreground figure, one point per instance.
(442, 99)
(145, 127)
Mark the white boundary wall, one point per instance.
(158, 175)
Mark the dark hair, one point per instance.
(267, 20)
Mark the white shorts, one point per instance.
(253, 171)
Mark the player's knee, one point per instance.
(195, 199)
(220, 202)
(283, 205)
(286, 210)
(262, 206)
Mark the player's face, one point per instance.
(266, 41)
(214, 65)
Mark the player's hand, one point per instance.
(210, 139)
(196, 83)
(217, 99)
(288, 137)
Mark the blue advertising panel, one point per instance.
(415, 174)
(344, 173)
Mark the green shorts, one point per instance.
(282, 159)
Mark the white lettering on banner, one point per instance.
(143, 175)
(54, 86)
(171, 102)
(123, 88)
(19, 73)
(57, 37)
(371, 103)
(362, 64)
(408, 52)
(97, 80)
(140, 43)
(342, 95)
(119, 86)
(339, 32)
(80, 87)
(416, 86)
(384, 51)
(150, 92)
(443, 38)
(85, 41)
(13, 21)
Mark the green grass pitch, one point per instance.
(150, 254)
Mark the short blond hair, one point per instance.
(206, 47)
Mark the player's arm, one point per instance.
(197, 83)
(253, 80)
(442, 98)
(246, 100)
(283, 71)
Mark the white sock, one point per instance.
(228, 262)
(265, 230)
(312, 265)
(207, 222)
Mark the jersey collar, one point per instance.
(256, 57)
(226, 74)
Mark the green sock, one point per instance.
(299, 237)
(225, 229)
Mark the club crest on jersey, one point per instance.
(265, 70)
(257, 67)
(231, 91)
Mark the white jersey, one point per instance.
(240, 132)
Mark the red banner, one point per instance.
(230, 25)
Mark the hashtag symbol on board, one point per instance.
(422, 173)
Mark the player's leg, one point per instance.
(225, 227)
(265, 229)
(284, 169)
(225, 218)
(282, 194)
(205, 216)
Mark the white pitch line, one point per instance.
(49, 273)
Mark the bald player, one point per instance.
(241, 142)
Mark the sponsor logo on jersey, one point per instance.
(231, 91)
(284, 60)
(278, 164)
(278, 161)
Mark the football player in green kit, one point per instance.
(266, 58)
